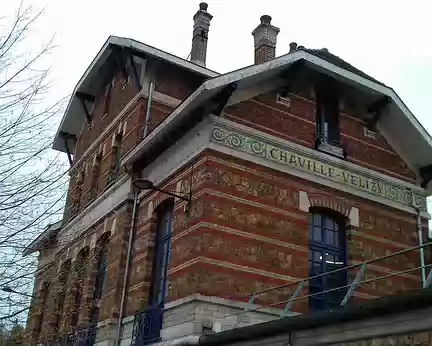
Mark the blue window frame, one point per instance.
(158, 289)
(162, 254)
(101, 272)
(98, 291)
(327, 252)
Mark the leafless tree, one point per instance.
(33, 179)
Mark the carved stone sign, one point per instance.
(305, 163)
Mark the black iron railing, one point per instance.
(147, 326)
(85, 337)
(63, 340)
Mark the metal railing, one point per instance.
(81, 337)
(359, 279)
(85, 337)
(147, 326)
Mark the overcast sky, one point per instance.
(390, 40)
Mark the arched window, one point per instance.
(100, 280)
(115, 159)
(63, 278)
(162, 252)
(42, 305)
(80, 267)
(95, 175)
(327, 252)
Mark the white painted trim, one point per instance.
(235, 231)
(218, 263)
(197, 297)
(354, 217)
(304, 203)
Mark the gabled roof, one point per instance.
(397, 124)
(334, 59)
(74, 116)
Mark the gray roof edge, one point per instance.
(408, 301)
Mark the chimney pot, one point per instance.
(200, 34)
(265, 40)
(265, 19)
(203, 6)
(293, 47)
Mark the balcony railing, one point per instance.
(297, 288)
(147, 326)
(85, 337)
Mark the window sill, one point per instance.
(331, 149)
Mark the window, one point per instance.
(107, 99)
(63, 278)
(43, 302)
(327, 252)
(115, 160)
(95, 173)
(101, 272)
(80, 275)
(162, 253)
(76, 194)
(158, 288)
(327, 110)
(117, 155)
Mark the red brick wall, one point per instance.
(115, 229)
(80, 195)
(297, 123)
(122, 91)
(179, 87)
(245, 233)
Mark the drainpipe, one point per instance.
(422, 257)
(149, 102)
(127, 269)
(420, 240)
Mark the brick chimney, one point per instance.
(200, 34)
(265, 40)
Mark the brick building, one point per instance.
(294, 166)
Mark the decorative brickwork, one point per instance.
(297, 123)
(330, 202)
